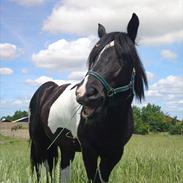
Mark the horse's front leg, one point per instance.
(66, 159)
(90, 161)
(106, 165)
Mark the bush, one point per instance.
(141, 129)
(176, 129)
(139, 126)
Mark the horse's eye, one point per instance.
(91, 92)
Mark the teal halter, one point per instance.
(110, 92)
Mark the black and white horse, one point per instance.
(53, 121)
(104, 124)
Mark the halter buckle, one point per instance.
(111, 92)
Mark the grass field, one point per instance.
(147, 159)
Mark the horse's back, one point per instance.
(37, 97)
(35, 106)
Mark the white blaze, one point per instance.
(109, 45)
(82, 89)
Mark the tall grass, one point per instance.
(147, 159)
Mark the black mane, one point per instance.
(126, 51)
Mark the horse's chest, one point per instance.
(64, 112)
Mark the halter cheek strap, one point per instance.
(110, 92)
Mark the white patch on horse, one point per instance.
(46, 165)
(65, 112)
(82, 89)
(66, 175)
(111, 44)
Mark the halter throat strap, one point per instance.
(110, 92)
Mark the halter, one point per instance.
(110, 92)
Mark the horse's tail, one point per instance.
(39, 153)
(40, 156)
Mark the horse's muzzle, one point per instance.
(90, 101)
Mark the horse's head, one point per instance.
(114, 70)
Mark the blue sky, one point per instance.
(44, 40)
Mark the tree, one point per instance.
(139, 126)
(174, 120)
(154, 117)
(17, 115)
(176, 129)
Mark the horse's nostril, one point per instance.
(80, 100)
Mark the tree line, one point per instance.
(17, 115)
(152, 119)
(148, 119)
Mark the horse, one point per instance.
(16, 127)
(115, 74)
(93, 116)
(54, 116)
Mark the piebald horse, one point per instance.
(93, 116)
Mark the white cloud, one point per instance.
(150, 75)
(168, 54)
(167, 93)
(19, 102)
(166, 38)
(62, 54)
(43, 79)
(38, 81)
(5, 71)
(171, 85)
(14, 101)
(9, 106)
(8, 51)
(24, 71)
(77, 75)
(29, 2)
(81, 17)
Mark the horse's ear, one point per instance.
(133, 27)
(101, 30)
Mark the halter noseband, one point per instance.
(110, 92)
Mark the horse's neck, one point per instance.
(121, 121)
(120, 107)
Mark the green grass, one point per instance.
(147, 159)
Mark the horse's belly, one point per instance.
(64, 112)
